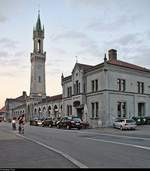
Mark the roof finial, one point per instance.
(38, 23)
(105, 59)
(76, 59)
(38, 9)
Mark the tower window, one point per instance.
(39, 79)
(39, 46)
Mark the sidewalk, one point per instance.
(16, 152)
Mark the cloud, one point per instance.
(2, 18)
(131, 39)
(12, 59)
(86, 3)
(7, 74)
(78, 42)
(107, 25)
(71, 34)
(8, 43)
(3, 54)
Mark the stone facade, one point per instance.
(109, 90)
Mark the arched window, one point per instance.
(49, 109)
(35, 111)
(39, 46)
(55, 110)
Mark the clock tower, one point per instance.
(38, 58)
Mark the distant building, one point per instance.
(108, 90)
(2, 114)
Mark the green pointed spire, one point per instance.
(38, 23)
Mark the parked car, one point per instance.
(69, 122)
(141, 120)
(84, 124)
(33, 121)
(48, 122)
(36, 121)
(124, 124)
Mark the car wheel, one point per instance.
(50, 125)
(121, 128)
(58, 126)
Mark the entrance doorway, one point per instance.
(80, 113)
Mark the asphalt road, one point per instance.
(89, 148)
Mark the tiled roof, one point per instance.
(52, 98)
(67, 78)
(84, 66)
(20, 98)
(127, 65)
(3, 109)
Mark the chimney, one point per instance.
(112, 53)
(24, 93)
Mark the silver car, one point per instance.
(124, 124)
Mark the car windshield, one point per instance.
(129, 121)
(77, 119)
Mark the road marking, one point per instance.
(74, 161)
(112, 135)
(119, 143)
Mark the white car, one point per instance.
(39, 123)
(125, 124)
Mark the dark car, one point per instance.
(34, 121)
(69, 122)
(48, 122)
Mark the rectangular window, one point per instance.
(121, 84)
(95, 108)
(92, 110)
(94, 85)
(84, 88)
(121, 108)
(140, 87)
(76, 88)
(69, 91)
(70, 110)
(67, 110)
